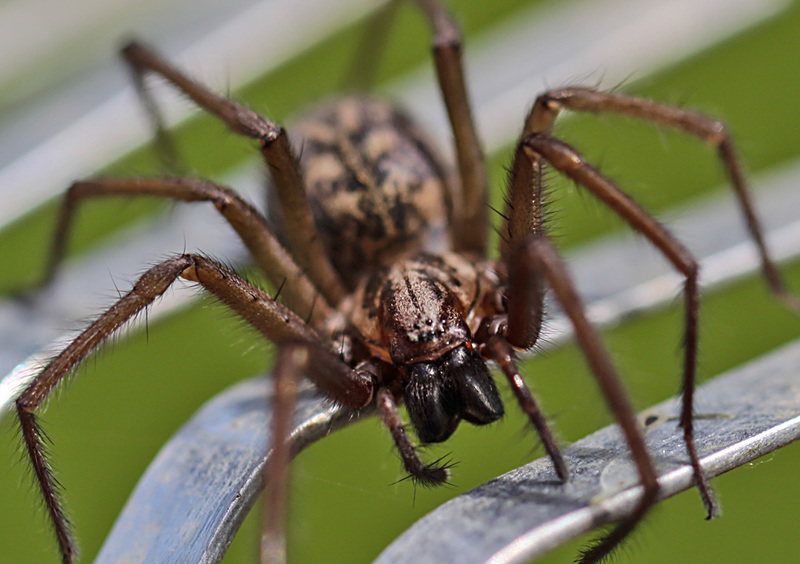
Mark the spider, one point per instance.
(380, 250)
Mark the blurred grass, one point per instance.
(131, 397)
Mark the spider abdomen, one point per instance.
(376, 187)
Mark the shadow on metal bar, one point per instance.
(194, 496)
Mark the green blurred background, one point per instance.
(345, 504)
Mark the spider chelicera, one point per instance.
(388, 293)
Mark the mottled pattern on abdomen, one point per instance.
(376, 188)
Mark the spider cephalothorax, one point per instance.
(388, 292)
(420, 315)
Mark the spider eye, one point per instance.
(479, 398)
(432, 405)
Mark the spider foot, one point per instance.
(430, 475)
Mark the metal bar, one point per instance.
(746, 413)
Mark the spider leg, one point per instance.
(262, 311)
(164, 142)
(567, 161)
(536, 258)
(523, 216)
(299, 294)
(294, 360)
(361, 75)
(277, 151)
(503, 354)
(712, 131)
(286, 374)
(470, 220)
(422, 473)
(523, 323)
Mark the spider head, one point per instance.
(425, 331)
(457, 386)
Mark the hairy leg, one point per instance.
(262, 311)
(280, 157)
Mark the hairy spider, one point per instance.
(389, 292)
